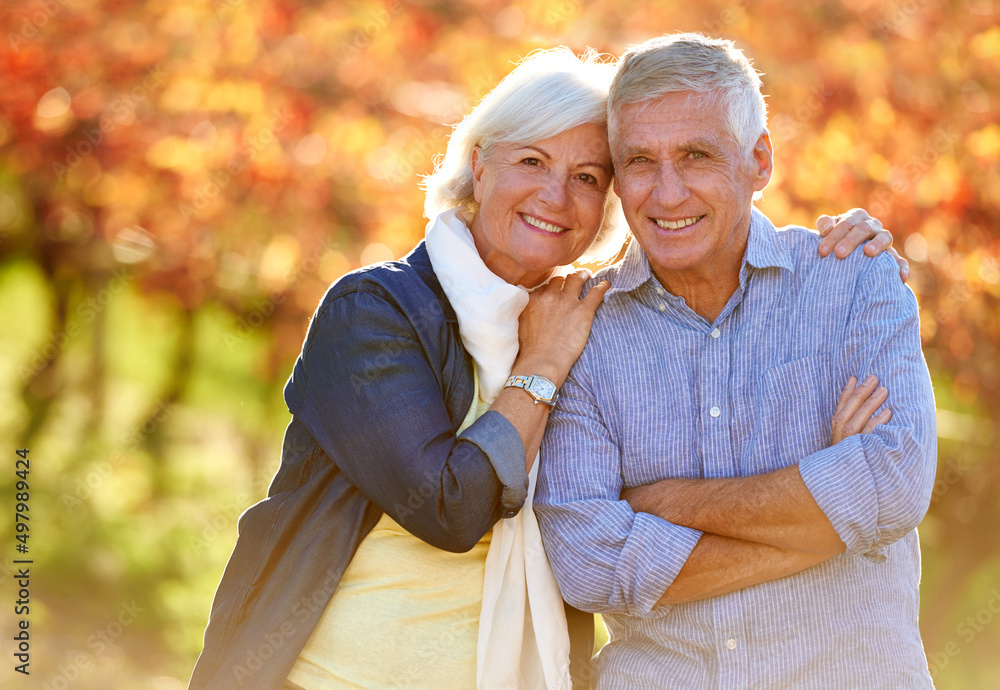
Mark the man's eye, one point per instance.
(696, 155)
(640, 159)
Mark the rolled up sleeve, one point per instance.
(370, 396)
(501, 443)
(875, 488)
(606, 558)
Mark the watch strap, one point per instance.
(541, 389)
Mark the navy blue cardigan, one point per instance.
(383, 376)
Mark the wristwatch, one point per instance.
(538, 387)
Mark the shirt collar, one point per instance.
(763, 251)
(763, 248)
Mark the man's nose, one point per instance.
(671, 188)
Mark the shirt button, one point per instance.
(510, 513)
(659, 291)
(716, 333)
(730, 643)
(715, 412)
(663, 306)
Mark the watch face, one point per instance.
(543, 389)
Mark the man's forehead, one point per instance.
(694, 99)
(673, 120)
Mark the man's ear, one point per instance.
(763, 158)
(477, 174)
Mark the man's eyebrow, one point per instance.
(630, 151)
(700, 144)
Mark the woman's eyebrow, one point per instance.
(546, 154)
(536, 148)
(595, 164)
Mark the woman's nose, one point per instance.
(555, 193)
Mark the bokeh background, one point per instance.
(180, 181)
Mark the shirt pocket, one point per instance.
(794, 405)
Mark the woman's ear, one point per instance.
(477, 174)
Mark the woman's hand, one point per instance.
(844, 233)
(555, 325)
(856, 406)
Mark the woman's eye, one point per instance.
(531, 161)
(588, 178)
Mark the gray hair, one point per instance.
(692, 62)
(549, 92)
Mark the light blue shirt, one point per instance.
(659, 392)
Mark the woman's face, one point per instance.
(541, 204)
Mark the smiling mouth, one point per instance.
(677, 224)
(541, 224)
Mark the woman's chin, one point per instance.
(538, 271)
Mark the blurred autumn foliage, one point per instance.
(180, 181)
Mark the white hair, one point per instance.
(547, 93)
(692, 62)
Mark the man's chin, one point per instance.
(677, 260)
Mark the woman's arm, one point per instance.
(844, 233)
(552, 333)
(372, 398)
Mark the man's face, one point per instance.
(685, 185)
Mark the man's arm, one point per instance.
(719, 565)
(863, 493)
(609, 559)
(774, 508)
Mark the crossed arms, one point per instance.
(681, 540)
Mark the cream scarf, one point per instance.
(523, 639)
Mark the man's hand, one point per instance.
(856, 408)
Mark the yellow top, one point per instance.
(405, 614)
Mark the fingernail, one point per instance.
(871, 377)
(841, 252)
(881, 390)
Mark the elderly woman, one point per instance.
(381, 556)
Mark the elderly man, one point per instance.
(689, 489)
